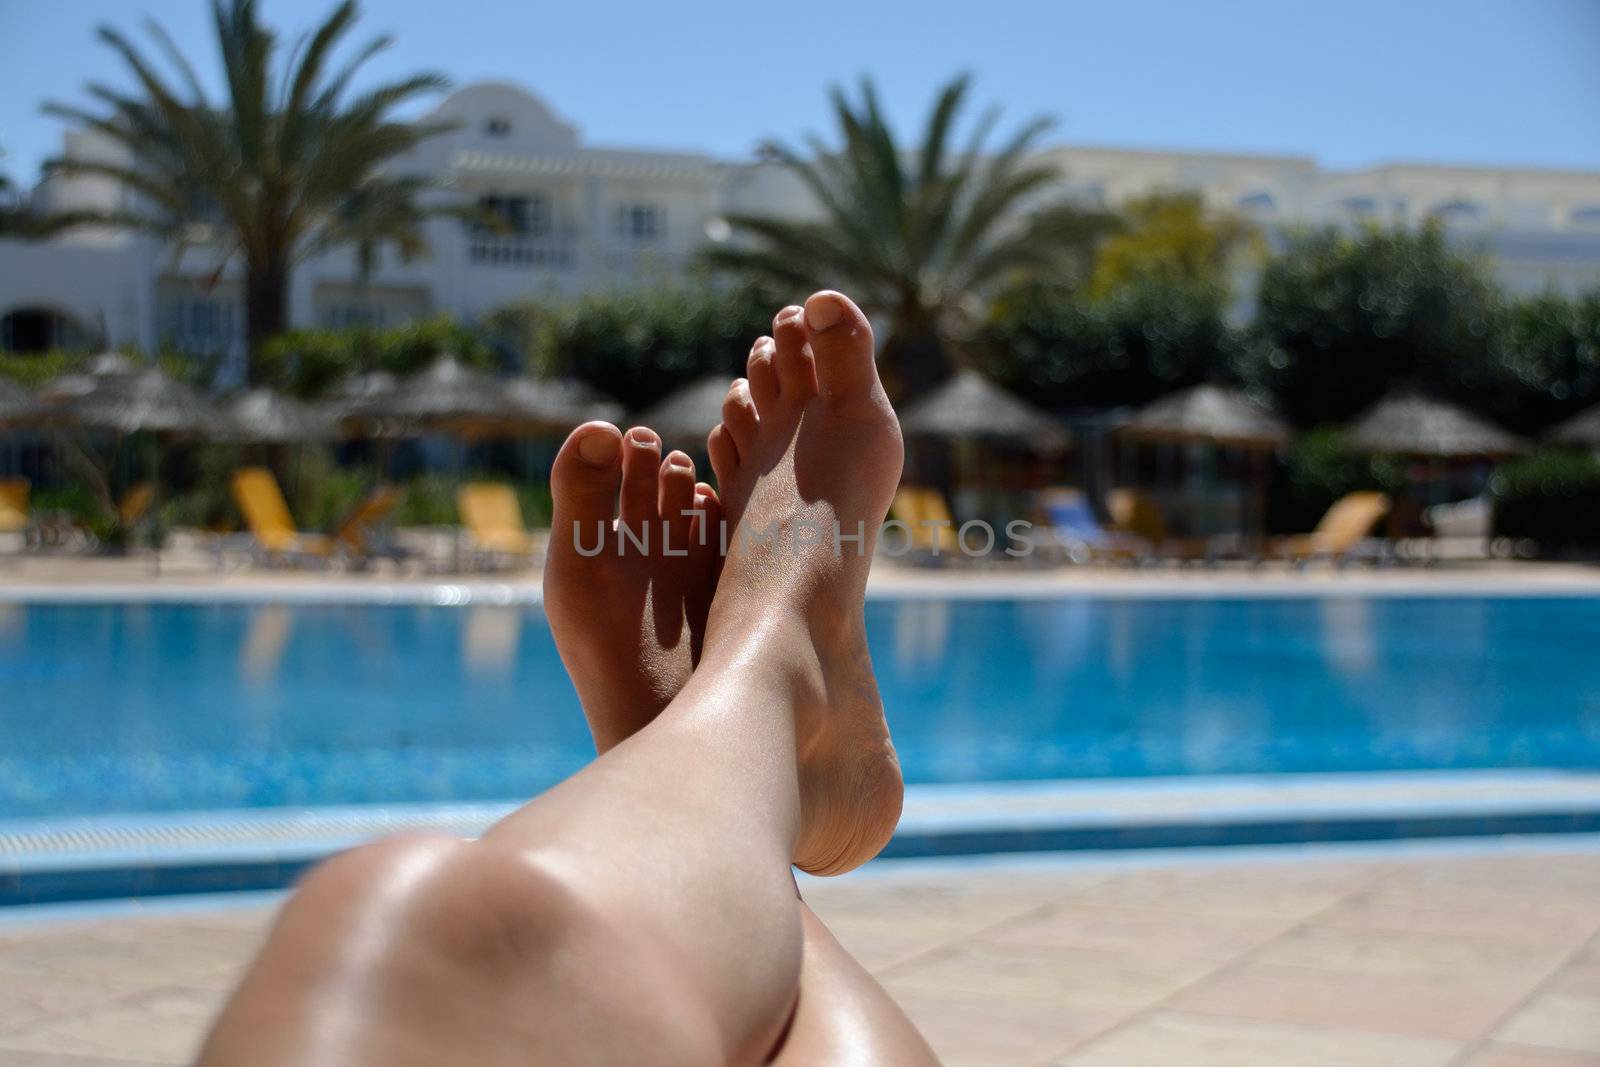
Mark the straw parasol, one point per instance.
(556, 405)
(970, 406)
(1582, 429)
(1209, 414)
(447, 396)
(691, 413)
(17, 406)
(115, 394)
(262, 416)
(1411, 424)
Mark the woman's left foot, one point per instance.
(627, 585)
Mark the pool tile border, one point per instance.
(85, 859)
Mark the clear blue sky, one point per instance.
(1351, 82)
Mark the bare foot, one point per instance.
(627, 588)
(807, 459)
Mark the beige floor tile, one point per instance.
(1168, 1038)
(1499, 1055)
(998, 1030)
(1548, 876)
(164, 1026)
(929, 906)
(56, 1059)
(1454, 1008)
(1405, 954)
(1285, 892)
(29, 999)
(1157, 932)
(1565, 1015)
(203, 959)
(1080, 978)
(1515, 918)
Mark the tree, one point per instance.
(1172, 238)
(1343, 318)
(638, 345)
(1146, 338)
(293, 165)
(918, 236)
(1551, 348)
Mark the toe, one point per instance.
(583, 481)
(739, 415)
(707, 516)
(841, 340)
(797, 377)
(676, 500)
(761, 374)
(724, 455)
(641, 466)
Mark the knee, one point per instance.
(468, 901)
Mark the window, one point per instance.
(497, 126)
(639, 223)
(1258, 203)
(517, 216)
(1457, 211)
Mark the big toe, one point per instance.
(841, 341)
(584, 479)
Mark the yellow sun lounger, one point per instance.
(929, 527)
(493, 520)
(1350, 520)
(272, 528)
(13, 505)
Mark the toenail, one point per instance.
(598, 448)
(823, 311)
(642, 439)
(678, 459)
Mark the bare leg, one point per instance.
(626, 626)
(602, 923)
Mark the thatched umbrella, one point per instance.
(448, 396)
(1208, 414)
(358, 390)
(262, 416)
(113, 394)
(1221, 417)
(970, 406)
(17, 405)
(556, 405)
(1582, 429)
(688, 415)
(1410, 424)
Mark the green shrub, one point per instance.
(1552, 497)
(306, 363)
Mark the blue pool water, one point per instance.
(147, 707)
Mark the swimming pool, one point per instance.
(163, 707)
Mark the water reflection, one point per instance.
(162, 706)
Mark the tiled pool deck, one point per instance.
(1488, 958)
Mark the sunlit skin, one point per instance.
(643, 911)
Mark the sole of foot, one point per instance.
(807, 458)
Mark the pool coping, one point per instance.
(80, 858)
(897, 585)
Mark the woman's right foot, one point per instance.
(807, 460)
(631, 568)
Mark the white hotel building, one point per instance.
(583, 217)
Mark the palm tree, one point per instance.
(293, 165)
(921, 237)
